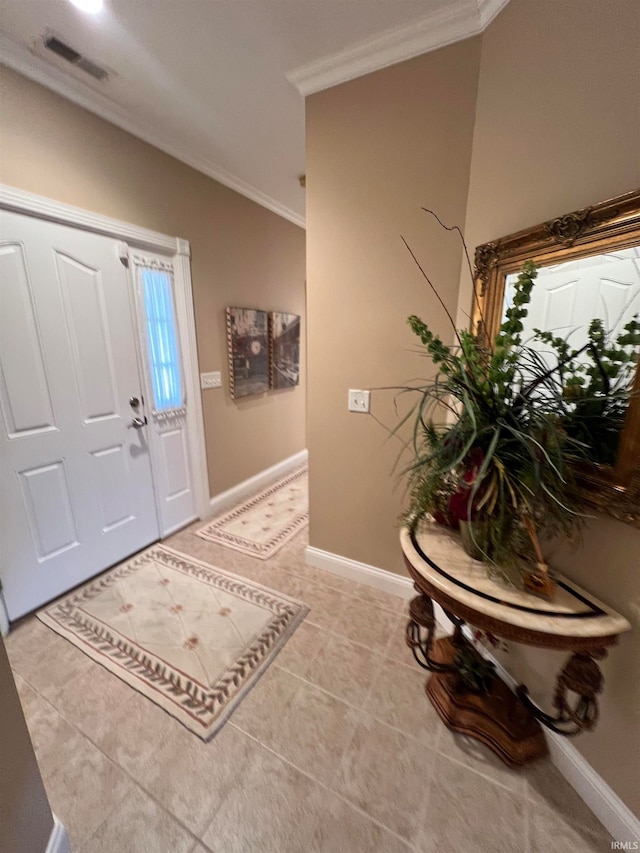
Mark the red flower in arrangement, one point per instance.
(460, 507)
(487, 637)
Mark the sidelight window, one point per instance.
(162, 340)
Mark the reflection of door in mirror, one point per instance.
(567, 296)
(588, 270)
(566, 299)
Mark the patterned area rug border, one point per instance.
(214, 530)
(202, 709)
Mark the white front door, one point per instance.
(76, 483)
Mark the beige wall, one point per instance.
(242, 254)
(377, 149)
(555, 126)
(26, 821)
(558, 128)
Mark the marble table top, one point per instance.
(435, 552)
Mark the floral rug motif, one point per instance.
(266, 522)
(192, 638)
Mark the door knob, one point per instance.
(134, 402)
(138, 423)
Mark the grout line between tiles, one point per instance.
(362, 708)
(164, 809)
(526, 826)
(477, 772)
(435, 746)
(325, 787)
(135, 783)
(344, 637)
(106, 817)
(426, 799)
(155, 800)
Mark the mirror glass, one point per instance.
(566, 298)
(588, 283)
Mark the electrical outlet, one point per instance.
(211, 380)
(359, 401)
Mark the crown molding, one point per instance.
(488, 9)
(19, 58)
(459, 21)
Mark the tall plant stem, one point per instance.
(430, 283)
(458, 230)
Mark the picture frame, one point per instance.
(284, 349)
(248, 351)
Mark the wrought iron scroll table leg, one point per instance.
(420, 633)
(497, 718)
(580, 675)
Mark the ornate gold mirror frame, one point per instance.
(613, 224)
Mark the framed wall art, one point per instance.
(248, 346)
(284, 349)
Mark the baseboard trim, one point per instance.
(591, 787)
(360, 572)
(58, 840)
(237, 494)
(601, 799)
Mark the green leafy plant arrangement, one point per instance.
(596, 389)
(498, 433)
(503, 455)
(476, 674)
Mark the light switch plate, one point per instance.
(211, 380)
(359, 401)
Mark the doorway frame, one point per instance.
(179, 250)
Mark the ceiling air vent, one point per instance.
(70, 55)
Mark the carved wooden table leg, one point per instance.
(496, 718)
(580, 675)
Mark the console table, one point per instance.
(574, 621)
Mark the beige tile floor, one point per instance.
(336, 749)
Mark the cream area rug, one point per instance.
(266, 522)
(191, 637)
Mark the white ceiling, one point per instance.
(220, 84)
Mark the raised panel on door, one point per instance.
(559, 302)
(25, 397)
(47, 501)
(175, 462)
(176, 505)
(112, 478)
(615, 299)
(85, 310)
